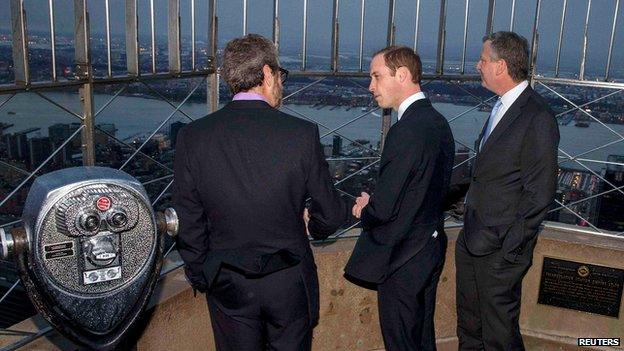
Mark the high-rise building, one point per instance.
(17, 146)
(59, 132)
(39, 149)
(611, 209)
(337, 146)
(104, 132)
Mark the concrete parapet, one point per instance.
(349, 320)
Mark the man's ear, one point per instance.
(268, 75)
(501, 67)
(403, 74)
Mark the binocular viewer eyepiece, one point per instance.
(90, 251)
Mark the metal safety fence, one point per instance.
(108, 80)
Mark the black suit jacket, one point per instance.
(242, 175)
(406, 207)
(514, 179)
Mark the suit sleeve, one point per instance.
(539, 176)
(192, 238)
(399, 158)
(327, 210)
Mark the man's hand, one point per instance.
(360, 203)
(306, 219)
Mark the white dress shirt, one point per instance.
(507, 100)
(407, 102)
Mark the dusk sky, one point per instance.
(319, 25)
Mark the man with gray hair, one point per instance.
(512, 186)
(242, 175)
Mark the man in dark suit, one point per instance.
(402, 245)
(512, 186)
(242, 175)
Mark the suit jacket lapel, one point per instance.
(512, 113)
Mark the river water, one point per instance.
(134, 116)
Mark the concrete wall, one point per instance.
(349, 318)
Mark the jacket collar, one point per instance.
(415, 105)
(512, 113)
(247, 104)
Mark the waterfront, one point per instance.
(135, 117)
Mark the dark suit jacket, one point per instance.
(514, 179)
(242, 175)
(406, 207)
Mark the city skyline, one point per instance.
(259, 14)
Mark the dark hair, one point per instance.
(402, 56)
(512, 48)
(243, 60)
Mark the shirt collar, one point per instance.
(407, 102)
(512, 95)
(248, 96)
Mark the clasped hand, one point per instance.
(360, 202)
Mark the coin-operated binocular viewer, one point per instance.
(90, 252)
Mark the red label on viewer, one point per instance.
(103, 203)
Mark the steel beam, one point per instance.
(390, 39)
(276, 24)
(174, 36)
(132, 38)
(534, 43)
(212, 83)
(52, 39)
(441, 38)
(335, 38)
(489, 22)
(615, 18)
(20, 43)
(585, 38)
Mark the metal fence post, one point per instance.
(213, 81)
(20, 43)
(84, 73)
(441, 38)
(386, 115)
(174, 36)
(534, 44)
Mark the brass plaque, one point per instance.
(581, 286)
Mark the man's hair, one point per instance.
(243, 60)
(512, 48)
(402, 56)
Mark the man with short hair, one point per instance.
(402, 245)
(242, 175)
(512, 186)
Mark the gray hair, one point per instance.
(512, 48)
(243, 60)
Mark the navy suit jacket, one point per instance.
(407, 204)
(514, 179)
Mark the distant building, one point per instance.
(611, 209)
(104, 132)
(39, 149)
(336, 146)
(576, 190)
(17, 146)
(60, 132)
